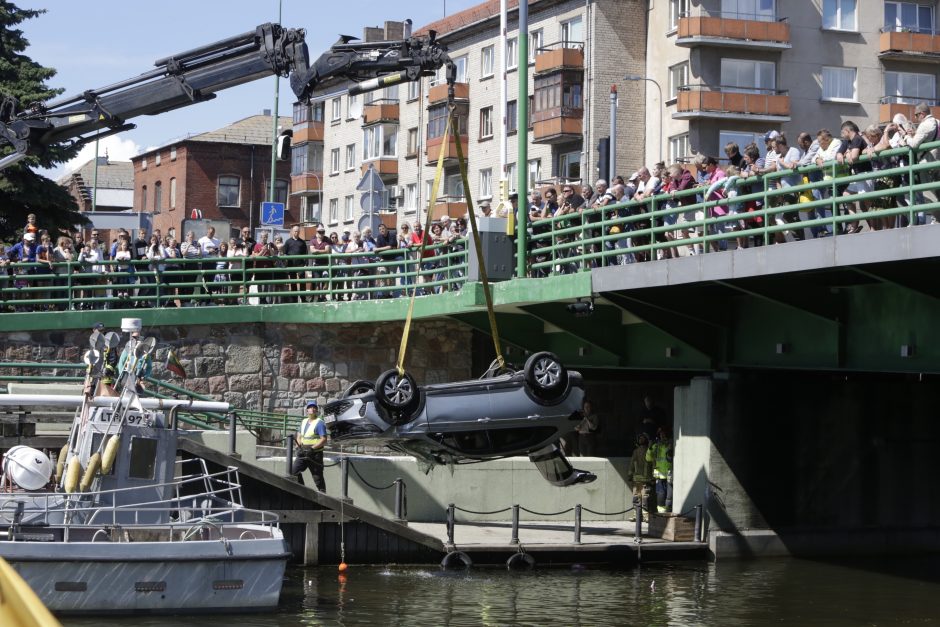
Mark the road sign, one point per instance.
(272, 214)
(371, 182)
(371, 202)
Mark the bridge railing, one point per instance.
(742, 211)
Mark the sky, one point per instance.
(95, 44)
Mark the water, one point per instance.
(780, 592)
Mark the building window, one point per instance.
(429, 190)
(143, 198)
(334, 210)
(487, 61)
(838, 83)
(307, 158)
(908, 16)
(310, 209)
(143, 163)
(678, 77)
(453, 186)
(316, 111)
(301, 112)
(511, 177)
(350, 156)
(353, 107)
(757, 10)
(512, 54)
(348, 208)
(380, 140)
(461, 63)
(530, 111)
(413, 146)
(535, 42)
(678, 147)
(535, 172)
(677, 9)
(558, 93)
(172, 193)
(840, 15)
(281, 190)
(512, 116)
(740, 138)
(572, 32)
(414, 89)
(173, 153)
(156, 159)
(438, 117)
(411, 196)
(334, 161)
(747, 76)
(229, 187)
(486, 183)
(569, 166)
(910, 88)
(336, 111)
(157, 197)
(486, 122)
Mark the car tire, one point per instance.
(359, 386)
(397, 393)
(545, 375)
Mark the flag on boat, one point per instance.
(174, 365)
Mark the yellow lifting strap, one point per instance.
(451, 129)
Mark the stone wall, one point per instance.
(274, 366)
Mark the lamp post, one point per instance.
(637, 77)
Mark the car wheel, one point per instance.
(545, 375)
(397, 392)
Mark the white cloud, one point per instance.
(117, 148)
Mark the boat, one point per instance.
(119, 525)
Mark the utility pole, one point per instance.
(274, 118)
(522, 125)
(613, 136)
(503, 192)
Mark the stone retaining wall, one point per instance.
(273, 366)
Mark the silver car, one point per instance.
(505, 412)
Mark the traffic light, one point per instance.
(283, 145)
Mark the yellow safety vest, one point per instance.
(308, 432)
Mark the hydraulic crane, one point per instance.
(198, 74)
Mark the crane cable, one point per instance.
(451, 129)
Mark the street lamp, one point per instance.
(637, 77)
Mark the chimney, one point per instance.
(372, 33)
(406, 29)
(394, 31)
(266, 112)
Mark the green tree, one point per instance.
(23, 191)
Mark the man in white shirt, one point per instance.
(927, 131)
(208, 243)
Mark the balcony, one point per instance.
(557, 126)
(909, 46)
(438, 93)
(559, 58)
(890, 106)
(734, 30)
(736, 103)
(306, 182)
(557, 111)
(453, 206)
(307, 132)
(380, 111)
(385, 167)
(434, 146)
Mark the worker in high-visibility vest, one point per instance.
(660, 454)
(311, 439)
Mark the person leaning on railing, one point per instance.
(927, 132)
(22, 257)
(4, 277)
(61, 258)
(191, 251)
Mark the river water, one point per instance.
(765, 592)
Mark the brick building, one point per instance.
(115, 185)
(223, 174)
(577, 50)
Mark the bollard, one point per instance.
(290, 457)
(577, 524)
(638, 508)
(697, 534)
(451, 523)
(231, 434)
(515, 525)
(344, 476)
(399, 499)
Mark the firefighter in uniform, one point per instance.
(640, 476)
(310, 440)
(660, 454)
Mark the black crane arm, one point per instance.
(373, 65)
(180, 80)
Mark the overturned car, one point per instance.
(503, 413)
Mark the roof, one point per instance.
(113, 175)
(255, 129)
(468, 17)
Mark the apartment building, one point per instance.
(730, 70)
(577, 50)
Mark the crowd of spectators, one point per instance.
(706, 197)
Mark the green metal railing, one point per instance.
(755, 210)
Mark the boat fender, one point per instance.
(520, 561)
(110, 454)
(456, 560)
(60, 463)
(94, 465)
(72, 475)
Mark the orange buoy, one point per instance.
(343, 567)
